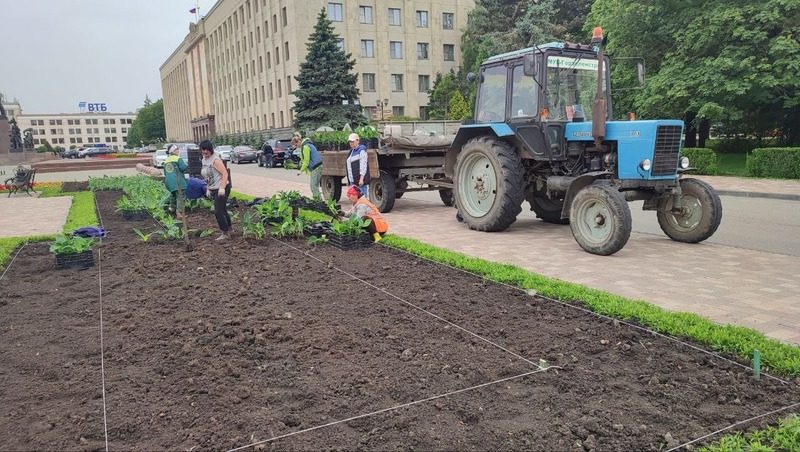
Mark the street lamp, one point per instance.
(380, 104)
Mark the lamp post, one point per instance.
(382, 103)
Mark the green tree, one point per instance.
(149, 126)
(720, 61)
(459, 110)
(327, 91)
(444, 86)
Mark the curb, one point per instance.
(753, 194)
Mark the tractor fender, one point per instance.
(576, 186)
(467, 132)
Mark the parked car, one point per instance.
(159, 158)
(241, 154)
(224, 151)
(274, 152)
(70, 154)
(91, 152)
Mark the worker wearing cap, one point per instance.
(174, 179)
(357, 164)
(310, 162)
(362, 208)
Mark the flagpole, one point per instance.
(197, 11)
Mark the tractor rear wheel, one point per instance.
(488, 184)
(548, 210)
(600, 219)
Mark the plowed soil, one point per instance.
(313, 348)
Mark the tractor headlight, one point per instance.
(684, 162)
(646, 164)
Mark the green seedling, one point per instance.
(144, 237)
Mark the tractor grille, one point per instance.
(668, 145)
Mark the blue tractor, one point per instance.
(541, 135)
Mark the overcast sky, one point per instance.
(56, 53)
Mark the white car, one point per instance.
(159, 158)
(224, 151)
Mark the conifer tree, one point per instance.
(327, 92)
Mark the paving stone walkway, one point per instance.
(23, 215)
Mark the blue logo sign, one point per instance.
(92, 107)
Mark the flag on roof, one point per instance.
(193, 11)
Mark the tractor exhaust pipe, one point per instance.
(599, 107)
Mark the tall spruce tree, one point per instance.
(327, 92)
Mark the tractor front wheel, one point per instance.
(548, 210)
(698, 217)
(600, 219)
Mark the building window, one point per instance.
(422, 50)
(395, 50)
(280, 89)
(269, 60)
(52, 131)
(334, 12)
(286, 50)
(398, 111)
(58, 122)
(289, 85)
(448, 20)
(423, 113)
(449, 52)
(274, 23)
(53, 122)
(394, 17)
(277, 56)
(424, 83)
(284, 19)
(340, 43)
(367, 48)
(397, 82)
(271, 96)
(422, 19)
(368, 82)
(365, 14)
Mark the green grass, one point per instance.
(81, 213)
(732, 165)
(784, 437)
(735, 340)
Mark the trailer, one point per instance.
(396, 163)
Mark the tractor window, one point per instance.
(523, 94)
(571, 85)
(492, 95)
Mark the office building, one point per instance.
(235, 70)
(78, 129)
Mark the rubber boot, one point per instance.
(377, 237)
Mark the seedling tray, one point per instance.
(135, 214)
(351, 242)
(80, 260)
(318, 229)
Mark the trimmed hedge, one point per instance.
(781, 163)
(703, 159)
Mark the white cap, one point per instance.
(173, 148)
(353, 137)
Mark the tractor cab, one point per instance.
(537, 91)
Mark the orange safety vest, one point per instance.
(381, 225)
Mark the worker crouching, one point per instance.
(362, 208)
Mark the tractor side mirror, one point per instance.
(529, 65)
(471, 77)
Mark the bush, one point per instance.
(781, 163)
(703, 159)
(735, 145)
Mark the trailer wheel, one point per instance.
(600, 219)
(548, 210)
(399, 189)
(488, 184)
(446, 195)
(700, 217)
(382, 192)
(331, 187)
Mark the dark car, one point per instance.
(241, 154)
(91, 152)
(70, 154)
(274, 152)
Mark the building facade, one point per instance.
(79, 129)
(235, 70)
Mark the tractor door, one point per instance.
(523, 114)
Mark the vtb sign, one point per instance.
(92, 107)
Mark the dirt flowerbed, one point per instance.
(241, 342)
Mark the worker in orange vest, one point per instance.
(363, 208)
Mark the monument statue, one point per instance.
(2, 108)
(16, 140)
(28, 140)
